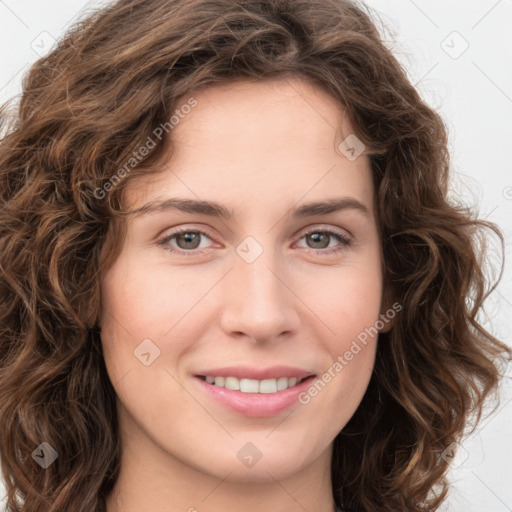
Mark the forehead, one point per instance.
(245, 108)
(256, 140)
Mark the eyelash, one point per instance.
(344, 241)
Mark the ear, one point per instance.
(99, 322)
(94, 316)
(388, 311)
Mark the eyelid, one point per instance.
(344, 241)
(330, 230)
(325, 227)
(177, 231)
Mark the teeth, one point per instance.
(268, 386)
(249, 386)
(232, 383)
(282, 383)
(253, 385)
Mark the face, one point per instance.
(273, 292)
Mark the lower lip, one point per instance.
(255, 405)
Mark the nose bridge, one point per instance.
(257, 301)
(260, 282)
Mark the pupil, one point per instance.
(189, 238)
(315, 237)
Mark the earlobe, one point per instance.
(99, 322)
(385, 322)
(388, 312)
(94, 320)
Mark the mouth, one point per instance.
(254, 386)
(254, 398)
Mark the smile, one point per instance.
(255, 398)
(253, 385)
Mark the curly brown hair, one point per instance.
(94, 101)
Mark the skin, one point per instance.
(260, 149)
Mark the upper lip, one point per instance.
(248, 372)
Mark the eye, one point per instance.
(320, 239)
(188, 241)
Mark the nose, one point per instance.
(258, 300)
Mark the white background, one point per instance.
(472, 89)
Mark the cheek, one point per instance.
(142, 304)
(349, 307)
(132, 303)
(351, 312)
(149, 310)
(348, 302)
(146, 299)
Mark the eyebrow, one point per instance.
(213, 209)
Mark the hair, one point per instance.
(91, 104)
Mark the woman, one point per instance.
(233, 278)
